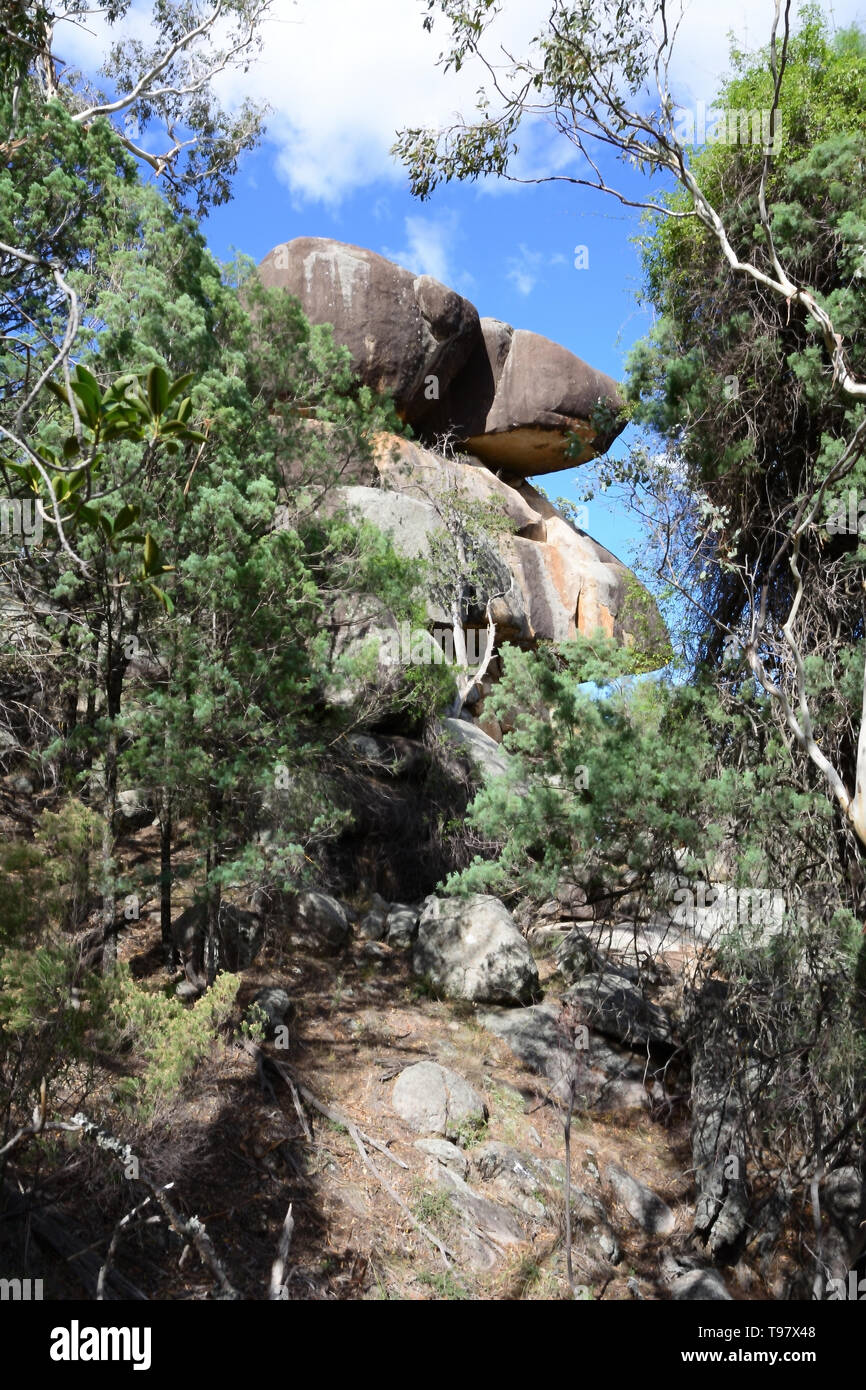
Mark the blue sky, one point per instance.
(512, 254)
(341, 76)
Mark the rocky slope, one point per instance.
(408, 1100)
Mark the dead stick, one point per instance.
(278, 1270)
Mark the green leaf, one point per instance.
(60, 392)
(87, 514)
(125, 517)
(163, 598)
(179, 386)
(89, 402)
(152, 556)
(157, 390)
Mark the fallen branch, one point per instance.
(115, 1241)
(190, 1229)
(278, 1270)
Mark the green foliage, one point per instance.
(737, 384)
(444, 1285)
(170, 1038)
(432, 1206)
(254, 1024)
(606, 776)
(46, 882)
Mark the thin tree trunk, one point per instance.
(214, 894)
(115, 670)
(109, 807)
(165, 841)
(569, 1266)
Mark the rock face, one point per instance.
(645, 1208)
(607, 1080)
(484, 752)
(718, 1140)
(469, 948)
(613, 1002)
(556, 580)
(512, 401)
(408, 334)
(511, 396)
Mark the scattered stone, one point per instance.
(699, 1285)
(373, 923)
(275, 1004)
(491, 1221)
(645, 1208)
(611, 997)
(374, 950)
(446, 1153)
(690, 1281)
(319, 922)
(402, 926)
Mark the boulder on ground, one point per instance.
(613, 1004)
(319, 922)
(469, 948)
(643, 1205)
(402, 926)
(239, 941)
(484, 752)
(374, 922)
(434, 1100)
(275, 1004)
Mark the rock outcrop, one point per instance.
(402, 330)
(514, 398)
(554, 581)
(515, 404)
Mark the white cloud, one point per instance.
(527, 267)
(429, 243)
(524, 269)
(342, 77)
